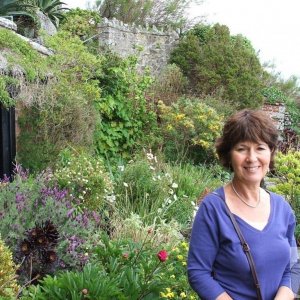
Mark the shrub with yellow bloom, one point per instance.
(190, 128)
(8, 283)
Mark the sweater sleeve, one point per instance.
(286, 278)
(203, 249)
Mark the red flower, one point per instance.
(162, 255)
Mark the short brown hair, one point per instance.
(246, 125)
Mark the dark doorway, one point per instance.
(7, 141)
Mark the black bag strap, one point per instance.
(246, 250)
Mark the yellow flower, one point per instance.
(184, 263)
(183, 295)
(179, 117)
(192, 297)
(172, 276)
(179, 257)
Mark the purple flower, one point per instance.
(20, 201)
(96, 217)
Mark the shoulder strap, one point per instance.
(246, 250)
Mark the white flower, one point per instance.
(111, 198)
(174, 185)
(171, 191)
(152, 168)
(175, 197)
(125, 184)
(121, 168)
(150, 156)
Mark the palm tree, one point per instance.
(15, 8)
(52, 9)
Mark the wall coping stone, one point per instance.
(8, 24)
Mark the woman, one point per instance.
(217, 266)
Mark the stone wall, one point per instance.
(279, 115)
(150, 45)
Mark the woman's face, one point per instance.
(250, 161)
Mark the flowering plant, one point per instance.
(34, 199)
(162, 255)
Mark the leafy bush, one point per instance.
(127, 120)
(91, 283)
(214, 62)
(8, 284)
(29, 200)
(144, 187)
(287, 180)
(60, 111)
(190, 129)
(81, 23)
(85, 178)
(143, 271)
(136, 229)
(169, 85)
(192, 182)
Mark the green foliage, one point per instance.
(81, 23)
(14, 8)
(51, 8)
(61, 111)
(8, 284)
(293, 110)
(190, 129)
(32, 64)
(139, 272)
(126, 117)
(287, 180)
(144, 187)
(193, 181)
(216, 62)
(91, 283)
(169, 85)
(7, 84)
(85, 178)
(274, 95)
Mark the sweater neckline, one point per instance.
(243, 222)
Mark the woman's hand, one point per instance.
(284, 293)
(224, 296)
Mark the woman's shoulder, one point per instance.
(213, 198)
(280, 202)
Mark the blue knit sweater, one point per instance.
(215, 246)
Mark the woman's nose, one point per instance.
(251, 156)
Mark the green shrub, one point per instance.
(144, 187)
(8, 283)
(192, 182)
(216, 62)
(81, 23)
(85, 178)
(190, 129)
(169, 85)
(287, 180)
(61, 109)
(91, 283)
(127, 120)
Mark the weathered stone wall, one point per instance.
(151, 46)
(279, 115)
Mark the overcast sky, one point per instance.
(272, 26)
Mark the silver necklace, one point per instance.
(245, 202)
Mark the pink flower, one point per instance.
(125, 255)
(162, 255)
